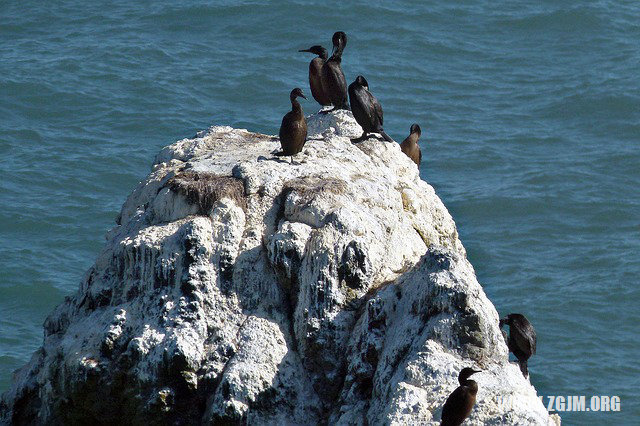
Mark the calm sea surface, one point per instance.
(531, 136)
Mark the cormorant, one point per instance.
(333, 81)
(315, 74)
(522, 339)
(293, 130)
(460, 402)
(410, 145)
(366, 109)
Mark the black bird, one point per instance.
(333, 81)
(410, 145)
(366, 109)
(293, 130)
(522, 339)
(315, 74)
(461, 401)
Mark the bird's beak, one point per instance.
(304, 96)
(305, 50)
(477, 371)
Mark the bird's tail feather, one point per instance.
(523, 368)
(386, 136)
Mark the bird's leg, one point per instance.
(295, 163)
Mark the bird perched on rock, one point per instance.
(293, 130)
(410, 145)
(522, 339)
(366, 109)
(315, 74)
(333, 82)
(461, 401)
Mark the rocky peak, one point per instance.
(239, 287)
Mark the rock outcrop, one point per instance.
(241, 288)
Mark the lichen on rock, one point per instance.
(238, 288)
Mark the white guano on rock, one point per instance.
(241, 288)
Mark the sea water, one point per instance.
(530, 116)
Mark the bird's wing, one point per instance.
(452, 410)
(335, 78)
(532, 340)
(341, 82)
(362, 107)
(371, 107)
(525, 338)
(377, 109)
(284, 126)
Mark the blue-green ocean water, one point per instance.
(531, 135)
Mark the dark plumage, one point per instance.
(522, 339)
(293, 130)
(315, 74)
(366, 109)
(410, 145)
(461, 401)
(333, 82)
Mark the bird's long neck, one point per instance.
(295, 106)
(337, 55)
(413, 138)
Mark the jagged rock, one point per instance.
(238, 287)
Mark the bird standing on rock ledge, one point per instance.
(293, 130)
(315, 74)
(461, 401)
(522, 339)
(333, 82)
(410, 145)
(366, 109)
